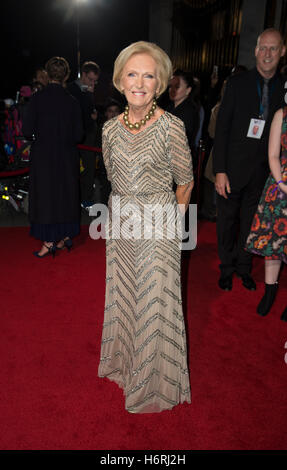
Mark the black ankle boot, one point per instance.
(284, 315)
(267, 300)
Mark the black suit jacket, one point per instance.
(87, 104)
(234, 153)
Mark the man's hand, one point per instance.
(222, 184)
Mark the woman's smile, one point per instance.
(140, 82)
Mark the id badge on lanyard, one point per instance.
(256, 126)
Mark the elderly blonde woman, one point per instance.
(145, 149)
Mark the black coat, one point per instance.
(54, 117)
(189, 114)
(234, 153)
(87, 103)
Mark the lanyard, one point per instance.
(260, 95)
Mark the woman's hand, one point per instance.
(183, 193)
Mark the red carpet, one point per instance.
(51, 320)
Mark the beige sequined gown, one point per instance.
(143, 341)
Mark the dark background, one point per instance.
(32, 31)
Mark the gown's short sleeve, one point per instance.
(179, 153)
(106, 152)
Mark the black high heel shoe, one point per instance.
(268, 299)
(51, 251)
(66, 244)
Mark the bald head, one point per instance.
(268, 51)
(270, 31)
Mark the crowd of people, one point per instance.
(150, 154)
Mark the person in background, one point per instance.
(83, 90)
(112, 109)
(268, 236)
(26, 92)
(184, 106)
(41, 77)
(208, 207)
(54, 121)
(240, 157)
(208, 203)
(197, 101)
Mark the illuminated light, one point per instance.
(204, 53)
(6, 198)
(6, 188)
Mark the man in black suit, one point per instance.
(241, 154)
(83, 90)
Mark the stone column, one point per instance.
(253, 16)
(160, 25)
(278, 14)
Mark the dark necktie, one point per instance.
(264, 102)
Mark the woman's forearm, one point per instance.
(275, 167)
(183, 193)
(274, 147)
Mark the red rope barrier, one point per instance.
(88, 147)
(23, 171)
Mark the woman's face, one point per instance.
(139, 81)
(178, 90)
(112, 111)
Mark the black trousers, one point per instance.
(89, 161)
(234, 219)
(88, 175)
(208, 199)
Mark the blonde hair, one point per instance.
(163, 63)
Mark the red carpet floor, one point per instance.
(51, 320)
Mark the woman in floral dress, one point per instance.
(268, 236)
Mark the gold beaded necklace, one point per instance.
(142, 122)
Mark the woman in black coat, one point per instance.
(55, 122)
(183, 105)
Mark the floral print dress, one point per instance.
(268, 236)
